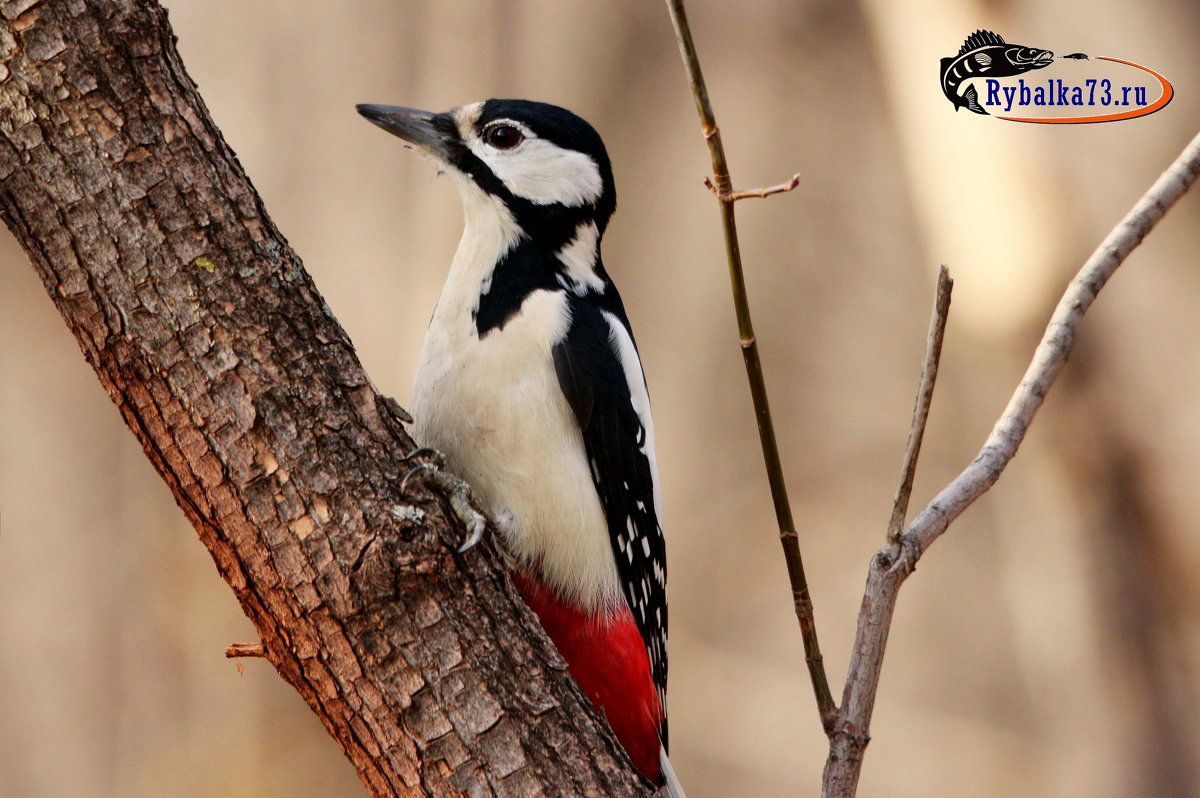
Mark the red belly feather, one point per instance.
(608, 659)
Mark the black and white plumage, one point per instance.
(601, 376)
(531, 384)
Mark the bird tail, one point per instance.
(671, 787)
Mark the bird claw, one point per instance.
(426, 453)
(457, 492)
(428, 460)
(421, 473)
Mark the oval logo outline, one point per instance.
(1168, 93)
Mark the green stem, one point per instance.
(723, 185)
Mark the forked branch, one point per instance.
(848, 726)
(1052, 351)
(891, 566)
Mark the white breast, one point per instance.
(494, 407)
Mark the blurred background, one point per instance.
(1049, 644)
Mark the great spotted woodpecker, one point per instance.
(531, 386)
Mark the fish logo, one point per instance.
(988, 77)
(986, 54)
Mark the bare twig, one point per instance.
(801, 598)
(929, 370)
(891, 566)
(1053, 350)
(245, 650)
(750, 193)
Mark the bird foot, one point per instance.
(430, 471)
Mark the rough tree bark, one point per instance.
(246, 394)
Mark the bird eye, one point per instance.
(503, 137)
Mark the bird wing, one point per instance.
(600, 374)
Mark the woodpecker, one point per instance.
(531, 386)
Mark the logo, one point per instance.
(991, 77)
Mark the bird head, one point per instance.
(547, 166)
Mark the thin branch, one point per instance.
(752, 193)
(1053, 350)
(236, 650)
(929, 370)
(801, 598)
(891, 566)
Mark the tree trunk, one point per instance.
(247, 396)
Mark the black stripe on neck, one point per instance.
(524, 269)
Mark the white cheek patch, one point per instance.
(543, 172)
(579, 258)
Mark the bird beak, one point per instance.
(420, 128)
